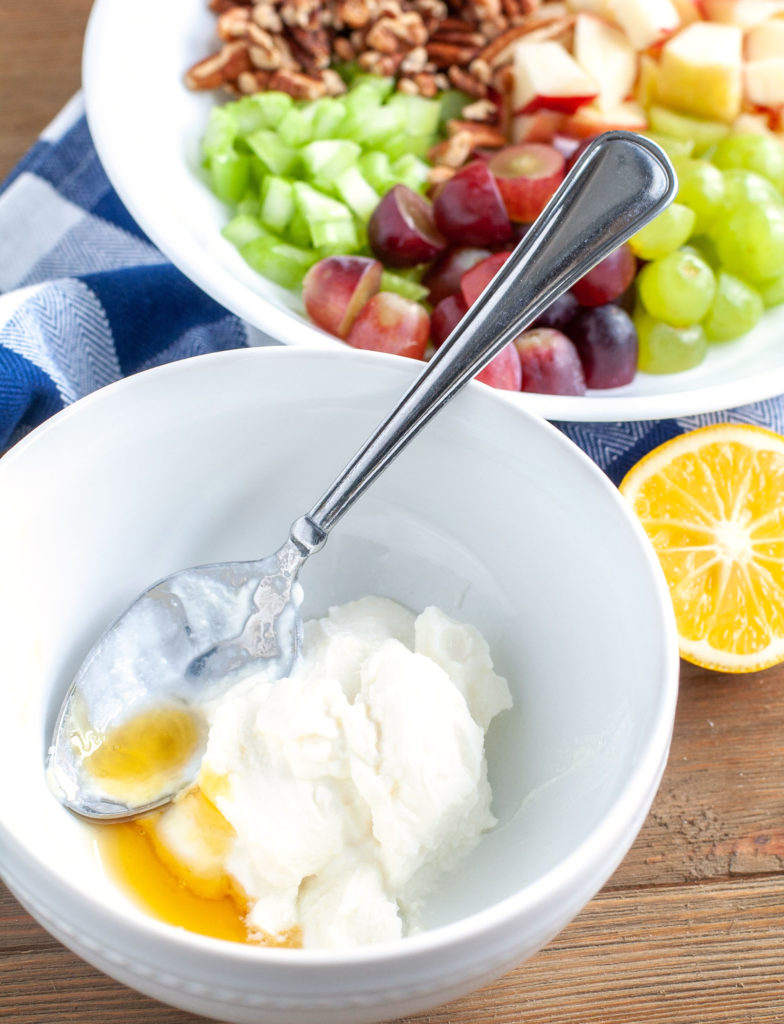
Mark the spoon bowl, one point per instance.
(198, 629)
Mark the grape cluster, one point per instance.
(714, 260)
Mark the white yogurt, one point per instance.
(355, 782)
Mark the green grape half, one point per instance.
(700, 187)
(678, 288)
(667, 349)
(665, 233)
(750, 241)
(742, 187)
(760, 153)
(735, 309)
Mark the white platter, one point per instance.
(147, 125)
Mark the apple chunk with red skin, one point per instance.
(608, 56)
(546, 75)
(388, 322)
(527, 176)
(336, 288)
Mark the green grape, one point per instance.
(701, 188)
(735, 309)
(760, 153)
(678, 288)
(772, 291)
(705, 248)
(664, 233)
(667, 349)
(742, 187)
(750, 241)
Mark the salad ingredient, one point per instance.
(402, 231)
(667, 232)
(667, 349)
(606, 341)
(735, 309)
(527, 176)
(559, 313)
(445, 317)
(608, 280)
(549, 362)
(388, 322)
(504, 370)
(442, 278)
(336, 288)
(701, 71)
(469, 208)
(710, 502)
(678, 288)
(750, 241)
(477, 278)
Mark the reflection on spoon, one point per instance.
(195, 632)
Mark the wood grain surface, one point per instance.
(689, 930)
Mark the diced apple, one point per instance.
(688, 11)
(546, 75)
(765, 40)
(541, 126)
(592, 119)
(701, 71)
(743, 13)
(605, 52)
(599, 7)
(645, 22)
(751, 124)
(764, 81)
(645, 89)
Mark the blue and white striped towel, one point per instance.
(86, 298)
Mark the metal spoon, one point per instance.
(180, 640)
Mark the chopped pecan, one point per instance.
(249, 82)
(480, 110)
(298, 85)
(440, 173)
(219, 6)
(353, 13)
(269, 52)
(266, 16)
(452, 152)
(444, 55)
(380, 63)
(313, 48)
(220, 68)
(233, 23)
(485, 135)
(466, 82)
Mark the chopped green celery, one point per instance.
(356, 192)
(400, 145)
(361, 100)
(703, 133)
(421, 115)
(277, 203)
(229, 176)
(276, 156)
(261, 110)
(249, 204)
(296, 128)
(334, 236)
(452, 103)
(324, 159)
(277, 260)
(328, 114)
(408, 287)
(318, 206)
(298, 232)
(376, 168)
(220, 133)
(674, 148)
(243, 228)
(386, 122)
(383, 86)
(410, 170)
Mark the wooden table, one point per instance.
(689, 930)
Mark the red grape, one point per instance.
(550, 363)
(337, 287)
(402, 231)
(391, 323)
(608, 279)
(504, 370)
(527, 176)
(445, 317)
(443, 277)
(469, 208)
(474, 281)
(606, 340)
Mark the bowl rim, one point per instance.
(634, 797)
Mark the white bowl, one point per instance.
(148, 139)
(491, 514)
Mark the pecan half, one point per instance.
(220, 68)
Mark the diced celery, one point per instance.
(703, 133)
(408, 287)
(420, 115)
(334, 236)
(277, 260)
(247, 114)
(356, 193)
(383, 86)
(386, 122)
(376, 168)
(452, 102)
(229, 176)
(243, 229)
(249, 204)
(362, 99)
(328, 114)
(298, 232)
(317, 206)
(324, 159)
(410, 170)
(400, 145)
(277, 203)
(277, 157)
(272, 106)
(220, 133)
(296, 128)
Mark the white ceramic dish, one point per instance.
(147, 125)
(491, 513)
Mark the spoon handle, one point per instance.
(620, 183)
